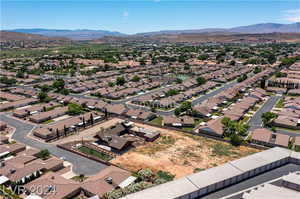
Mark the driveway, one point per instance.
(81, 165)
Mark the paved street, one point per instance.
(256, 121)
(81, 165)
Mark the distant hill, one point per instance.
(207, 38)
(268, 28)
(251, 29)
(85, 34)
(10, 36)
(81, 34)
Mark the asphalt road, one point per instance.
(81, 165)
(256, 121)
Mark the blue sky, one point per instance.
(145, 15)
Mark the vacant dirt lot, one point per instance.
(180, 153)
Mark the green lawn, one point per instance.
(280, 104)
(95, 153)
(255, 108)
(197, 122)
(183, 77)
(158, 120)
(48, 121)
(246, 119)
(79, 178)
(188, 128)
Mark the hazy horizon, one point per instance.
(132, 17)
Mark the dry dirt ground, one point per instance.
(180, 153)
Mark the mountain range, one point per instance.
(86, 34)
(251, 29)
(17, 36)
(80, 34)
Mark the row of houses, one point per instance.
(34, 109)
(26, 92)
(44, 178)
(17, 104)
(188, 90)
(265, 137)
(25, 165)
(291, 81)
(48, 115)
(10, 97)
(97, 104)
(95, 186)
(236, 112)
(67, 126)
(288, 116)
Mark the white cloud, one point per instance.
(291, 15)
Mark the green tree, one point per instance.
(203, 57)
(172, 92)
(232, 63)
(242, 78)
(136, 78)
(120, 81)
(268, 117)
(201, 80)
(75, 109)
(58, 84)
(43, 154)
(46, 88)
(280, 74)
(235, 140)
(20, 74)
(181, 59)
(145, 174)
(257, 70)
(177, 111)
(187, 67)
(233, 127)
(165, 175)
(43, 97)
(111, 84)
(64, 91)
(272, 58)
(178, 81)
